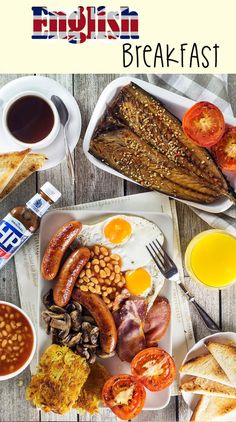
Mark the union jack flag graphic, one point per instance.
(83, 24)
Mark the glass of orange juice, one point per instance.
(210, 258)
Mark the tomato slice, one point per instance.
(124, 395)
(225, 150)
(204, 124)
(154, 367)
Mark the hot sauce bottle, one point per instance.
(23, 221)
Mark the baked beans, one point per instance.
(102, 275)
(16, 339)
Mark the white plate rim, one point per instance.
(97, 213)
(165, 96)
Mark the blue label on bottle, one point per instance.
(12, 236)
(38, 205)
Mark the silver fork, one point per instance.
(169, 270)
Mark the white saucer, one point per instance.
(197, 350)
(55, 152)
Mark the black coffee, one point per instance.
(30, 119)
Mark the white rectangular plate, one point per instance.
(50, 223)
(176, 104)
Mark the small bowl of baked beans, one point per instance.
(17, 340)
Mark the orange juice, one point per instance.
(211, 258)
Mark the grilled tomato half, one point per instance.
(225, 150)
(124, 395)
(204, 124)
(154, 367)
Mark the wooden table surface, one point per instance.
(93, 184)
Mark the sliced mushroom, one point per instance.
(48, 299)
(95, 330)
(64, 340)
(88, 318)
(79, 348)
(70, 307)
(91, 346)
(53, 315)
(53, 331)
(94, 334)
(92, 358)
(45, 317)
(59, 324)
(72, 326)
(64, 332)
(86, 326)
(77, 305)
(64, 325)
(74, 340)
(47, 321)
(57, 309)
(75, 320)
(83, 351)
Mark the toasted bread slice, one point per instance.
(203, 386)
(212, 409)
(9, 164)
(31, 163)
(205, 367)
(226, 357)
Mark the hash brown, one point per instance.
(57, 385)
(91, 393)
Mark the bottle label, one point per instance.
(51, 191)
(12, 236)
(38, 205)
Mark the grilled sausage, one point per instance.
(56, 248)
(68, 275)
(103, 317)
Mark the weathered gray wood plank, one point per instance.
(13, 391)
(92, 184)
(59, 175)
(189, 226)
(228, 296)
(105, 415)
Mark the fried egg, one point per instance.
(145, 282)
(128, 236)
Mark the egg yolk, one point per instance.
(137, 281)
(117, 230)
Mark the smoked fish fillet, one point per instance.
(127, 153)
(142, 140)
(150, 120)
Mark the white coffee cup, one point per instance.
(41, 143)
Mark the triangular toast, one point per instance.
(32, 163)
(203, 386)
(212, 409)
(226, 357)
(206, 367)
(9, 164)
